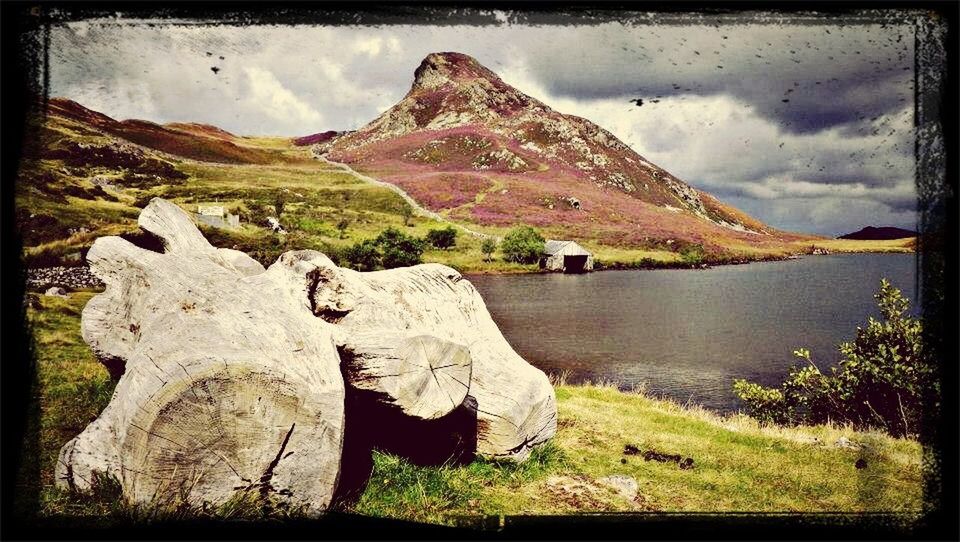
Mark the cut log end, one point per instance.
(232, 431)
(425, 376)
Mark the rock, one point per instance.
(56, 291)
(625, 485)
(844, 442)
(275, 225)
(228, 380)
(74, 278)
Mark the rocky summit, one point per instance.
(464, 141)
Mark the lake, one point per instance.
(687, 334)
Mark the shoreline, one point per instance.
(34, 283)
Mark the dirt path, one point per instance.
(417, 208)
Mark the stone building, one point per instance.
(566, 256)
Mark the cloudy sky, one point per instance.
(807, 127)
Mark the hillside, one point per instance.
(883, 233)
(737, 465)
(84, 174)
(465, 143)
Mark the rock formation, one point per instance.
(232, 377)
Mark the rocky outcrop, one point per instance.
(233, 377)
(74, 278)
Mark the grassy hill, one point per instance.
(737, 464)
(85, 175)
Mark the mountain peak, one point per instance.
(440, 69)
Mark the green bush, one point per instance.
(398, 249)
(488, 247)
(392, 248)
(522, 244)
(444, 238)
(881, 381)
(692, 253)
(363, 256)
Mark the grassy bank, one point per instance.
(737, 464)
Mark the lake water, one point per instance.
(687, 334)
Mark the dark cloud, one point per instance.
(828, 76)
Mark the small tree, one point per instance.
(522, 244)
(398, 249)
(363, 256)
(444, 238)
(342, 226)
(880, 382)
(407, 213)
(488, 247)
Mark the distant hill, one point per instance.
(883, 233)
(465, 143)
(313, 139)
(188, 140)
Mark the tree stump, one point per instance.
(229, 383)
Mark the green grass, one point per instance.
(739, 464)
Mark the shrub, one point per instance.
(398, 249)
(342, 226)
(363, 256)
(522, 244)
(279, 202)
(488, 247)
(392, 248)
(692, 253)
(407, 213)
(444, 238)
(880, 382)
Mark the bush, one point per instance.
(398, 249)
(444, 238)
(363, 256)
(522, 244)
(488, 247)
(392, 248)
(880, 382)
(692, 253)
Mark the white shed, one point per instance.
(566, 256)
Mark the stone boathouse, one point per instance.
(566, 256)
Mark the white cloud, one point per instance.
(277, 102)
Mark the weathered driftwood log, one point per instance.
(231, 377)
(516, 408)
(228, 381)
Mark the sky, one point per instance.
(807, 127)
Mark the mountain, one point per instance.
(879, 233)
(188, 140)
(466, 144)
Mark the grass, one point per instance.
(861, 245)
(739, 465)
